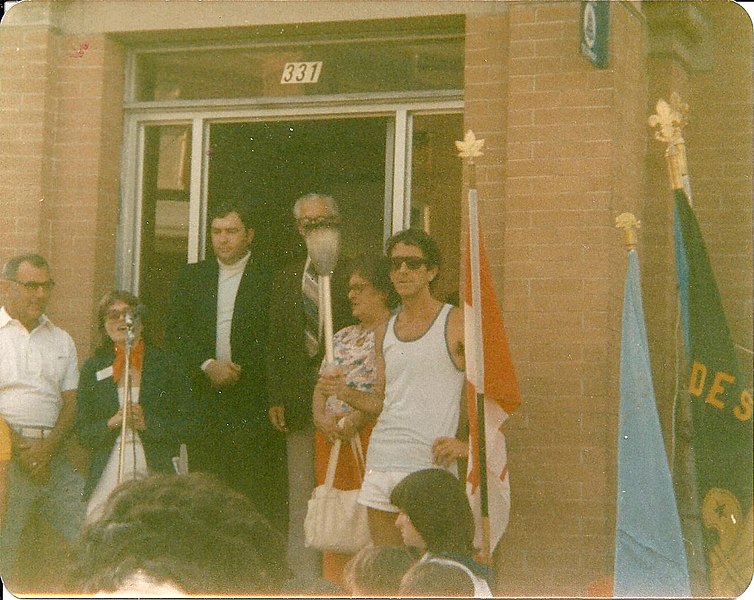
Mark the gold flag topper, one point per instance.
(669, 121)
(470, 147)
(629, 224)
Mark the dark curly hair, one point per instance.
(188, 530)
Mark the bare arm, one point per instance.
(369, 402)
(455, 338)
(445, 450)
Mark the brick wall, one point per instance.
(24, 122)
(719, 139)
(565, 145)
(61, 125)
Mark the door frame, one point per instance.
(399, 109)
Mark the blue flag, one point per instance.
(650, 558)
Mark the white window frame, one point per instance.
(398, 108)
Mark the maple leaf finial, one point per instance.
(470, 147)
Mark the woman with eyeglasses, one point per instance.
(162, 406)
(371, 296)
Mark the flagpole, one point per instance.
(476, 298)
(470, 148)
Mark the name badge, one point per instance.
(105, 373)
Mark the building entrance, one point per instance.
(272, 163)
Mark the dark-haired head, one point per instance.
(10, 269)
(375, 269)
(435, 501)
(103, 306)
(223, 208)
(190, 531)
(420, 239)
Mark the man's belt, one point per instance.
(37, 433)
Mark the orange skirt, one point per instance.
(346, 478)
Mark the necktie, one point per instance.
(311, 292)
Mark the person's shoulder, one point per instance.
(97, 361)
(61, 334)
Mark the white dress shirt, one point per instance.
(229, 278)
(35, 367)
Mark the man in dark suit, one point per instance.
(217, 320)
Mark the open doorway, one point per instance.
(273, 163)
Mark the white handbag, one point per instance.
(335, 521)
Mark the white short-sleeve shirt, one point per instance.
(35, 367)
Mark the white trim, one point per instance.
(399, 112)
(390, 99)
(399, 171)
(196, 187)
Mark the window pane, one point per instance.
(301, 70)
(165, 216)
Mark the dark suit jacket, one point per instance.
(166, 399)
(192, 329)
(292, 373)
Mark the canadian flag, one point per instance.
(491, 387)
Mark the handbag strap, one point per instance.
(358, 454)
(332, 463)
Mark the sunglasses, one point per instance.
(412, 262)
(33, 286)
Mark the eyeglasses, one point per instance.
(359, 287)
(412, 262)
(114, 314)
(33, 286)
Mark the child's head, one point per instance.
(377, 570)
(436, 579)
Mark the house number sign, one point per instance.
(301, 72)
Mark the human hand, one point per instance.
(446, 450)
(331, 381)
(277, 418)
(223, 373)
(328, 425)
(347, 427)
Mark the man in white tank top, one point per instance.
(418, 394)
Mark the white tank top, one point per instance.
(422, 399)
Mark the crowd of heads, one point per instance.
(190, 532)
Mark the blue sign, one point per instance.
(595, 25)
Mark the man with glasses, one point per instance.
(38, 380)
(418, 391)
(296, 350)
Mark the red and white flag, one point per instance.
(491, 383)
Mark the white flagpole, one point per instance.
(469, 149)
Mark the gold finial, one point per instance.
(629, 224)
(470, 147)
(669, 121)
